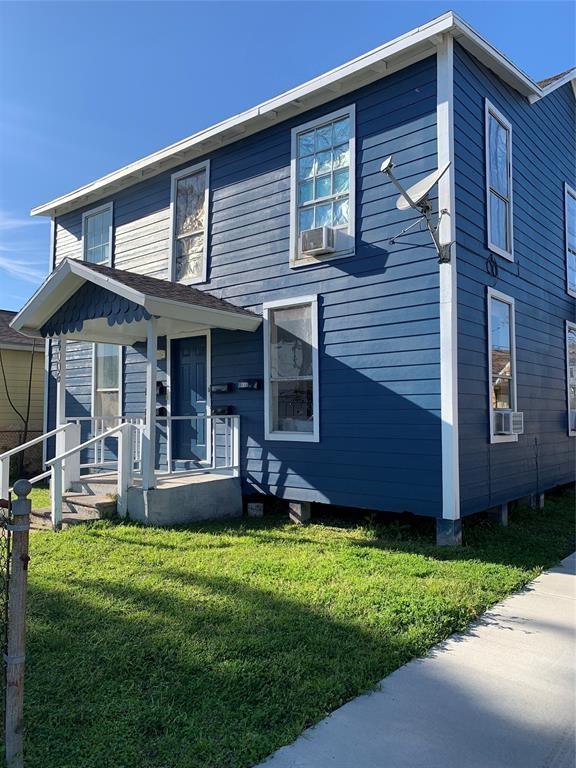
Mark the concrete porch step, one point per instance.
(88, 506)
(96, 484)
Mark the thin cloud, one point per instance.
(10, 222)
(19, 269)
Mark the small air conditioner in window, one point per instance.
(508, 423)
(315, 242)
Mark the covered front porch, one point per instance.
(159, 459)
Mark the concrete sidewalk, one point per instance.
(500, 696)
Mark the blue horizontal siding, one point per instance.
(543, 158)
(379, 314)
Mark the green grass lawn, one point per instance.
(40, 498)
(212, 646)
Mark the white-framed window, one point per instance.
(498, 141)
(291, 386)
(106, 382)
(571, 376)
(97, 228)
(189, 203)
(501, 359)
(322, 182)
(570, 219)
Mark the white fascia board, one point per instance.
(58, 287)
(372, 64)
(494, 59)
(15, 347)
(377, 63)
(54, 291)
(569, 77)
(200, 316)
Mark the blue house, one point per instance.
(236, 314)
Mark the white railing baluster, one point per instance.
(56, 495)
(236, 445)
(4, 477)
(125, 466)
(72, 463)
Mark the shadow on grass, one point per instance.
(201, 671)
(177, 663)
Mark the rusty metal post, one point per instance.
(16, 636)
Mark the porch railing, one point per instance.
(63, 432)
(221, 436)
(124, 434)
(96, 426)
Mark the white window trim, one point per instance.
(569, 327)
(93, 212)
(169, 339)
(295, 262)
(308, 437)
(191, 169)
(567, 191)
(490, 109)
(120, 381)
(492, 293)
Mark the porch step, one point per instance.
(96, 485)
(88, 506)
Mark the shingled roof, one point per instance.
(9, 338)
(164, 289)
(549, 80)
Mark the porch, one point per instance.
(93, 303)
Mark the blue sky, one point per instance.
(86, 87)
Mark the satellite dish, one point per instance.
(416, 194)
(417, 197)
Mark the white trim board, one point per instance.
(380, 62)
(347, 239)
(71, 274)
(492, 293)
(303, 437)
(189, 171)
(169, 339)
(568, 192)
(448, 284)
(106, 208)
(570, 326)
(490, 110)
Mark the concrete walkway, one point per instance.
(500, 696)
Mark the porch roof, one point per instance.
(92, 302)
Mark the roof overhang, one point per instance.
(173, 317)
(380, 62)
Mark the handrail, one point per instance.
(96, 439)
(196, 418)
(32, 442)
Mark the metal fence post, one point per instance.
(15, 645)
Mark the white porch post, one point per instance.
(61, 398)
(149, 433)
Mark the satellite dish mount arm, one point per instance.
(417, 198)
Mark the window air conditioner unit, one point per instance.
(508, 423)
(315, 242)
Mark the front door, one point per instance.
(189, 398)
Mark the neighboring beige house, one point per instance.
(21, 371)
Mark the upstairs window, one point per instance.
(291, 365)
(322, 188)
(97, 235)
(571, 376)
(189, 209)
(501, 359)
(570, 202)
(499, 182)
